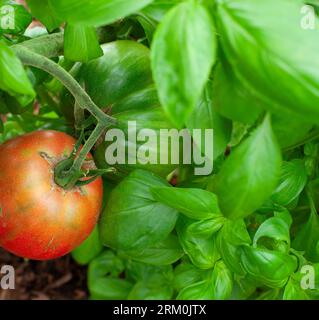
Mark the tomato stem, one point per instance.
(67, 175)
(68, 178)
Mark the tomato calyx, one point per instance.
(67, 177)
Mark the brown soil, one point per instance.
(60, 279)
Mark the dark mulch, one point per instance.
(60, 279)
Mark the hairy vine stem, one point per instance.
(68, 176)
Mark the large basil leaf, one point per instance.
(205, 117)
(249, 176)
(132, 219)
(163, 252)
(81, 43)
(194, 203)
(269, 267)
(95, 13)
(261, 46)
(180, 67)
(231, 98)
(13, 77)
(202, 251)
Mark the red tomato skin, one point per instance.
(38, 219)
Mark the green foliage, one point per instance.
(81, 43)
(97, 13)
(152, 221)
(246, 69)
(180, 68)
(248, 177)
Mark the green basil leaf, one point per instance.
(272, 268)
(149, 291)
(293, 180)
(206, 228)
(13, 77)
(107, 263)
(1, 126)
(222, 281)
(141, 272)
(205, 117)
(218, 285)
(152, 289)
(289, 130)
(44, 13)
(241, 105)
(269, 295)
(294, 291)
(193, 203)
(202, 251)
(95, 13)
(14, 18)
(186, 274)
(275, 228)
(307, 237)
(151, 15)
(164, 252)
(103, 281)
(198, 291)
(132, 219)
(89, 249)
(81, 43)
(261, 47)
(158, 8)
(230, 238)
(249, 175)
(110, 289)
(180, 82)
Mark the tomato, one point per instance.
(39, 219)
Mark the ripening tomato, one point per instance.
(39, 219)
